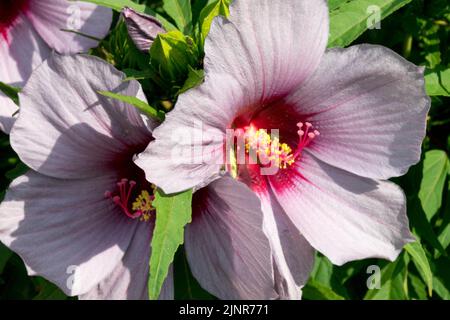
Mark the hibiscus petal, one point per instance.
(344, 216)
(52, 17)
(66, 129)
(20, 53)
(65, 231)
(370, 107)
(129, 279)
(270, 47)
(7, 110)
(226, 248)
(188, 147)
(293, 256)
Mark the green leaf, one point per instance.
(118, 5)
(350, 19)
(417, 287)
(334, 4)
(173, 212)
(181, 12)
(186, 286)
(435, 168)
(195, 78)
(314, 290)
(393, 281)
(47, 290)
(5, 254)
(139, 104)
(211, 11)
(171, 54)
(19, 169)
(437, 82)
(415, 250)
(10, 92)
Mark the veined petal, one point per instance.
(269, 46)
(7, 109)
(293, 256)
(370, 106)
(52, 19)
(20, 53)
(189, 145)
(66, 129)
(130, 277)
(226, 248)
(344, 216)
(65, 231)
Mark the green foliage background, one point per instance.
(417, 29)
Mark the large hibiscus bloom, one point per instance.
(348, 120)
(82, 217)
(30, 29)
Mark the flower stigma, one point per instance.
(141, 207)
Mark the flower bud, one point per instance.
(143, 29)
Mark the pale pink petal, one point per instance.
(188, 148)
(370, 107)
(65, 231)
(20, 53)
(293, 256)
(344, 216)
(66, 129)
(52, 17)
(269, 46)
(129, 279)
(226, 248)
(7, 109)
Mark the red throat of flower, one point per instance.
(9, 12)
(133, 202)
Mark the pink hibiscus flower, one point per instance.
(30, 29)
(348, 120)
(83, 216)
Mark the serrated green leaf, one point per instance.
(173, 212)
(437, 82)
(195, 78)
(314, 290)
(393, 281)
(435, 168)
(419, 258)
(418, 287)
(211, 11)
(181, 12)
(10, 92)
(350, 19)
(139, 104)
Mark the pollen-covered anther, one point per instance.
(140, 208)
(268, 150)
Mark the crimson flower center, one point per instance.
(142, 205)
(267, 149)
(9, 12)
